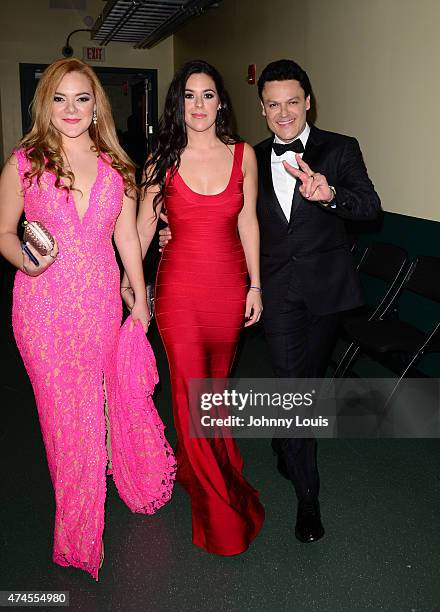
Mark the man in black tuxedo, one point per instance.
(310, 182)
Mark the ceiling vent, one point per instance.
(145, 22)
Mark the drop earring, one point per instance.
(94, 117)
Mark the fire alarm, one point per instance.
(251, 75)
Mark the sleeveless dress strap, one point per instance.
(170, 175)
(238, 154)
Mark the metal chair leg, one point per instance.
(346, 360)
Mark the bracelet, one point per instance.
(330, 203)
(125, 289)
(256, 288)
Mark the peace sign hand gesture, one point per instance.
(314, 186)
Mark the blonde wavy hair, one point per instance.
(43, 142)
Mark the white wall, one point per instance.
(374, 67)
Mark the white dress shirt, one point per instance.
(283, 182)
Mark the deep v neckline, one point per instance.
(91, 193)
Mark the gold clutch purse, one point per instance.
(37, 235)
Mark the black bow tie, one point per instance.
(296, 146)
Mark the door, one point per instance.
(133, 97)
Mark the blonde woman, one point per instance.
(70, 174)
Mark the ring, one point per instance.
(312, 176)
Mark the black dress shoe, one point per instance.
(308, 520)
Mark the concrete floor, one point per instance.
(380, 506)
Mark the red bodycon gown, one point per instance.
(201, 293)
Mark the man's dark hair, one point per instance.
(284, 70)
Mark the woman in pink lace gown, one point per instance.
(71, 175)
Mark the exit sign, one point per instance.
(94, 54)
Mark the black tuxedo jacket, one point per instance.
(313, 245)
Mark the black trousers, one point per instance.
(300, 345)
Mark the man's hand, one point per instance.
(314, 186)
(164, 234)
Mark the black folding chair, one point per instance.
(388, 263)
(392, 335)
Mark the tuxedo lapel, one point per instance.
(266, 182)
(313, 147)
(296, 201)
(310, 156)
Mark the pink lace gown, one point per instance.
(66, 324)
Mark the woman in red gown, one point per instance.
(207, 287)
